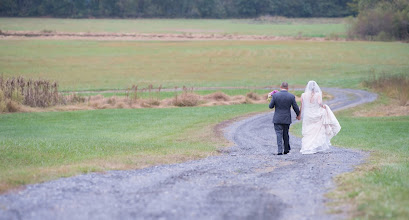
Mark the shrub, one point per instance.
(17, 96)
(3, 106)
(47, 31)
(218, 96)
(96, 97)
(75, 98)
(383, 36)
(333, 36)
(382, 20)
(186, 100)
(395, 86)
(112, 100)
(253, 96)
(34, 93)
(133, 93)
(120, 105)
(12, 106)
(153, 102)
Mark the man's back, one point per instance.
(282, 101)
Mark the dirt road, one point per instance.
(20, 35)
(246, 182)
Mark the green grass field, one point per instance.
(93, 65)
(378, 189)
(40, 146)
(288, 27)
(37, 147)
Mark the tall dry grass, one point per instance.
(132, 96)
(218, 96)
(394, 86)
(150, 97)
(17, 91)
(19, 94)
(187, 99)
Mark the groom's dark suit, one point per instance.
(282, 101)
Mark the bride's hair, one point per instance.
(312, 87)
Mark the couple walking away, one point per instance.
(319, 124)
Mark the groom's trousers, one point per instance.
(282, 134)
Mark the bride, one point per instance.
(319, 124)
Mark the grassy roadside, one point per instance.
(37, 147)
(104, 65)
(379, 188)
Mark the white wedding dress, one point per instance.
(319, 124)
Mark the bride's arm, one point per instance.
(301, 105)
(299, 116)
(320, 101)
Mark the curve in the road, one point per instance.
(246, 182)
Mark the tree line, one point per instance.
(174, 8)
(374, 19)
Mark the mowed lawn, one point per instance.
(40, 146)
(379, 189)
(313, 27)
(91, 65)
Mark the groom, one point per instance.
(283, 101)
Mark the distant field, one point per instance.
(92, 65)
(315, 27)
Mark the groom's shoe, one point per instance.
(286, 152)
(280, 154)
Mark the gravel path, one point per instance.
(246, 182)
